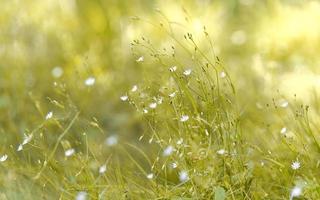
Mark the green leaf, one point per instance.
(219, 193)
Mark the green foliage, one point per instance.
(192, 100)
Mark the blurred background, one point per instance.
(66, 56)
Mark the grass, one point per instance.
(173, 114)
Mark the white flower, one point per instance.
(90, 81)
(173, 68)
(284, 104)
(183, 176)
(140, 59)
(111, 140)
(172, 94)
(153, 105)
(20, 147)
(295, 192)
(283, 130)
(81, 195)
(174, 165)
(180, 141)
(223, 74)
(221, 151)
(134, 88)
(295, 165)
(168, 151)
(57, 72)
(145, 111)
(3, 158)
(102, 169)
(160, 100)
(69, 152)
(184, 118)
(27, 139)
(124, 98)
(187, 72)
(49, 115)
(150, 176)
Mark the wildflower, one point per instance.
(174, 165)
(284, 104)
(173, 68)
(150, 176)
(20, 147)
(180, 141)
(81, 195)
(102, 169)
(69, 152)
(221, 152)
(295, 165)
(153, 105)
(57, 72)
(184, 118)
(90, 81)
(3, 158)
(168, 151)
(49, 115)
(134, 88)
(160, 100)
(183, 176)
(111, 140)
(140, 59)
(223, 74)
(187, 72)
(295, 192)
(145, 111)
(124, 98)
(172, 94)
(27, 139)
(283, 130)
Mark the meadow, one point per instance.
(140, 99)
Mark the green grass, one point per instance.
(174, 110)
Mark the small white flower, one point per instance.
(81, 195)
(180, 141)
(111, 140)
(295, 192)
(184, 118)
(124, 98)
(102, 169)
(183, 176)
(223, 74)
(27, 139)
(20, 147)
(145, 111)
(150, 176)
(140, 59)
(174, 165)
(3, 158)
(173, 68)
(90, 81)
(134, 88)
(168, 151)
(69, 152)
(295, 165)
(283, 130)
(160, 100)
(57, 72)
(153, 105)
(187, 72)
(172, 95)
(284, 104)
(221, 152)
(49, 115)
